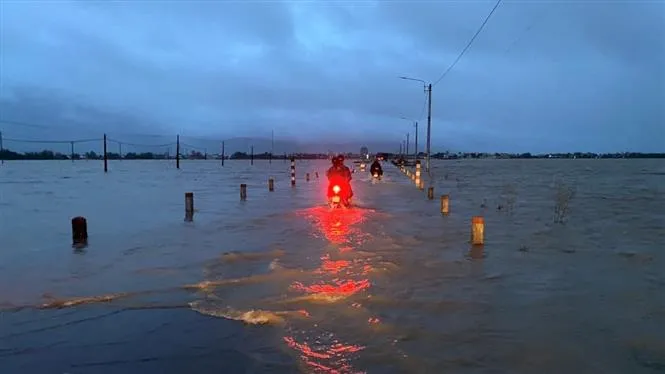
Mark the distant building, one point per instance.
(364, 152)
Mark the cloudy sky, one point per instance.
(542, 76)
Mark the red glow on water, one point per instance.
(323, 359)
(336, 224)
(336, 288)
(334, 267)
(338, 277)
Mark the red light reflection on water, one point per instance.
(342, 267)
(333, 267)
(336, 224)
(336, 288)
(335, 353)
(350, 277)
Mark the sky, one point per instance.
(542, 76)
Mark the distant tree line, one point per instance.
(572, 155)
(268, 156)
(46, 154)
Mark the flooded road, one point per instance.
(281, 284)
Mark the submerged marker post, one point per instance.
(293, 171)
(79, 232)
(271, 184)
(243, 192)
(477, 230)
(189, 206)
(445, 204)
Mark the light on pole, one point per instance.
(415, 124)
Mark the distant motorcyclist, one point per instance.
(341, 171)
(376, 168)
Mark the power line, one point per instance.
(89, 130)
(53, 141)
(422, 111)
(193, 146)
(468, 44)
(15, 123)
(76, 127)
(140, 145)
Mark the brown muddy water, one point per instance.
(281, 284)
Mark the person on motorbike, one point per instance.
(341, 171)
(376, 168)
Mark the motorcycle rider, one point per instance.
(376, 168)
(339, 170)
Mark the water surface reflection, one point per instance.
(338, 277)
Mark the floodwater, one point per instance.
(281, 284)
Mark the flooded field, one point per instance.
(571, 277)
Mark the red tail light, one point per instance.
(336, 189)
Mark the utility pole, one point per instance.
(416, 145)
(272, 147)
(2, 157)
(407, 144)
(429, 124)
(71, 151)
(428, 90)
(106, 158)
(177, 152)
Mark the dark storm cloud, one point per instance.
(541, 76)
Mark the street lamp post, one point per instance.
(428, 89)
(407, 144)
(415, 145)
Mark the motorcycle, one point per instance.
(377, 174)
(338, 194)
